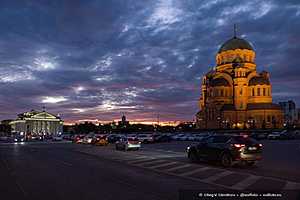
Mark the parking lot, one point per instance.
(156, 171)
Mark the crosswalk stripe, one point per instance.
(246, 182)
(132, 158)
(195, 171)
(163, 165)
(178, 167)
(151, 161)
(291, 186)
(217, 176)
(140, 160)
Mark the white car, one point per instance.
(125, 144)
(87, 139)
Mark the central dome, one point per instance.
(235, 43)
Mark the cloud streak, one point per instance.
(97, 59)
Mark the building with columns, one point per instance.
(234, 94)
(37, 123)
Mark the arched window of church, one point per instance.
(258, 91)
(253, 93)
(264, 91)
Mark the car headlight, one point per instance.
(16, 140)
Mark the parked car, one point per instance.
(125, 144)
(101, 140)
(131, 136)
(201, 136)
(57, 138)
(78, 139)
(19, 138)
(227, 149)
(190, 137)
(259, 136)
(284, 135)
(162, 138)
(113, 138)
(145, 138)
(88, 139)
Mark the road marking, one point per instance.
(246, 182)
(217, 176)
(132, 158)
(163, 165)
(291, 186)
(140, 160)
(178, 167)
(195, 171)
(151, 161)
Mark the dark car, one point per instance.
(227, 149)
(113, 138)
(19, 138)
(259, 136)
(162, 138)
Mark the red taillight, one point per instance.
(238, 145)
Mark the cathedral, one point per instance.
(234, 94)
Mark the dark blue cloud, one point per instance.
(88, 59)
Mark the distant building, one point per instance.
(290, 112)
(234, 94)
(37, 123)
(123, 123)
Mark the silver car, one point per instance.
(125, 143)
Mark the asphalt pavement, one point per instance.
(158, 171)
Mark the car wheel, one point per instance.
(226, 160)
(192, 156)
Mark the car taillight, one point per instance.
(238, 145)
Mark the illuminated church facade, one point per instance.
(234, 94)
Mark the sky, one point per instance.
(97, 59)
